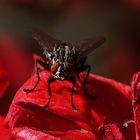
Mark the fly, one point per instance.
(64, 60)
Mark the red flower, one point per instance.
(103, 118)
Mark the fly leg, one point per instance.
(45, 65)
(80, 64)
(83, 68)
(50, 80)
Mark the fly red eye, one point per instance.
(54, 67)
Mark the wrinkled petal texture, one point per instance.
(136, 102)
(27, 119)
(110, 132)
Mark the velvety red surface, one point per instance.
(95, 119)
(5, 134)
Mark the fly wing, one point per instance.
(88, 45)
(45, 41)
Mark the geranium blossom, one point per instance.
(108, 117)
(113, 115)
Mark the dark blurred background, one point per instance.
(69, 20)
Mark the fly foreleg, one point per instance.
(45, 65)
(50, 80)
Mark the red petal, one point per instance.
(111, 132)
(5, 134)
(136, 102)
(33, 121)
(117, 131)
(113, 104)
(27, 133)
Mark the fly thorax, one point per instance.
(62, 59)
(64, 53)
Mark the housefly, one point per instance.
(64, 60)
